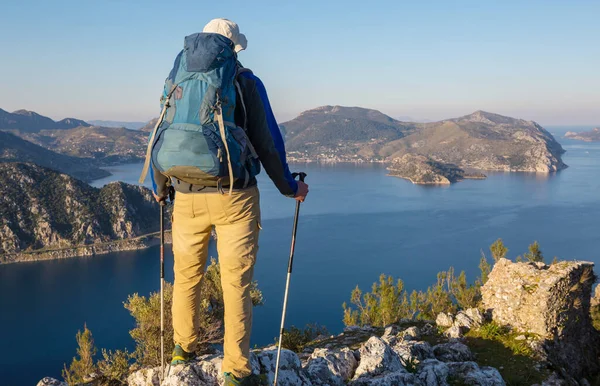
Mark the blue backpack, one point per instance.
(196, 139)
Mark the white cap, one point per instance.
(228, 29)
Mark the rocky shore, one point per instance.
(132, 244)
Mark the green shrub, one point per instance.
(533, 255)
(491, 330)
(114, 367)
(385, 304)
(296, 339)
(83, 364)
(498, 250)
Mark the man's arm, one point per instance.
(265, 135)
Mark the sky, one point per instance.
(108, 59)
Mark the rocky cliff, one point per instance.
(43, 209)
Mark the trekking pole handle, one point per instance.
(302, 176)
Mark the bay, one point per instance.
(357, 223)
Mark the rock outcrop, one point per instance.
(552, 302)
(374, 362)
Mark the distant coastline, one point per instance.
(130, 244)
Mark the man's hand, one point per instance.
(158, 198)
(302, 192)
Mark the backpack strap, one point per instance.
(219, 114)
(151, 141)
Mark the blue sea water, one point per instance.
(357, 223)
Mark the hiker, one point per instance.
(203, 202)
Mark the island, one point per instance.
(586, 136)
(422, 170)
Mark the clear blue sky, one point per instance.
(107, 59)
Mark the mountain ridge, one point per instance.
(480, 140)
(30, 121)
(16, 149)
(42, 208)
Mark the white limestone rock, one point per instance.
(331, 367)
(49, 381)
(452, 352)
(432, 372)
(290, 368)
(469, 373)
(377, 358)
(454, 332)
(411, 333)
(444, 320)
(413, 351)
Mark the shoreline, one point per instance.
(85, 250)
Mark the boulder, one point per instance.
(452, 352)
(462, 320)
(469, 373)
(48, 381)
(427, 330)
(551, 301)
(331, 367)
(290, 368)
(398, 378)
(432, 372)
(411, 333)
(476, 316)
(468, 319)
(390, 334)
(413, 351)
(377, 358)
(454, 332)
(444, 320)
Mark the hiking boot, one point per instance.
(180, 356)
(250, 380)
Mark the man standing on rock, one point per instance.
(232, 208)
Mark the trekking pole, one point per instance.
(289, 275)
(162, 289)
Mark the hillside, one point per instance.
(41, 208)
(108, 145)
(31, 122)
(148, 126)
(481, 140)
(586, 136)
(342, 132)
(125, 124)
(15, 149)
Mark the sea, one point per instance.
(356, 224)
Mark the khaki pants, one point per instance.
(237, 222)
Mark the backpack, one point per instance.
(195, 139)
